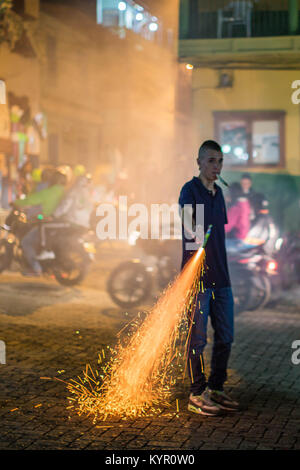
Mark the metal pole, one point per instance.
(184, 19)
(293, 17)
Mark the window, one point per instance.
(265, 142)
(128, 15)
(251, 138)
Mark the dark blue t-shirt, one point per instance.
(216, 273)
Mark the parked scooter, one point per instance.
(254, 270)
(252, 273)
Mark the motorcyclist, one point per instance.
(77, 205)
(47, 200)
(253, 197)
(263, 230)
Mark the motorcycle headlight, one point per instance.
(272, 267)
(89, 247)
(278, 243)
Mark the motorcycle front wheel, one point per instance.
(259, 292)
(240, 290)
(6, 254)
(71, 266)
(129, 284)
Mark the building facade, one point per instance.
(105, 80)
(245, 85)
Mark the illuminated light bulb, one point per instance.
(153, 26)
(272, 267)
(238, 152)
(122, 6)
(139, 16)
(226, 148)
(189, 66)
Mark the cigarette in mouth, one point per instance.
(223, 181)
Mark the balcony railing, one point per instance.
(211, 19)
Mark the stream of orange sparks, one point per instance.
(138, 377)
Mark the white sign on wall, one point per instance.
(2, 92)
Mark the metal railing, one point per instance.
(211, 19)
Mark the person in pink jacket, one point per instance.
(238, 214)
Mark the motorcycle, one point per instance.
(132, 282)
(65, 252)
(253, 273)
(254, 270)
(287, 257)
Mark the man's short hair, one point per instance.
(206, 147)
(246, 176)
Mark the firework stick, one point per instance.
(207, 235)
(191, 371)
(201, 361)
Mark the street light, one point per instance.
(122, 6)
(153, 26)
(139, 16)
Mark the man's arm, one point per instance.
(188, 213)
(31, 200)
(187, 219)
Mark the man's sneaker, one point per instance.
(45, 255)
(223, 400)
(31, 274)
(202, 404)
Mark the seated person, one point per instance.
(263, 229)
(77, 205)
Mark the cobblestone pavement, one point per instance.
(57, 336)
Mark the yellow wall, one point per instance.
(119, 95)
(21, 76)
(109, 102)
(252, 90)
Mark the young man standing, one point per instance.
(215, 299)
